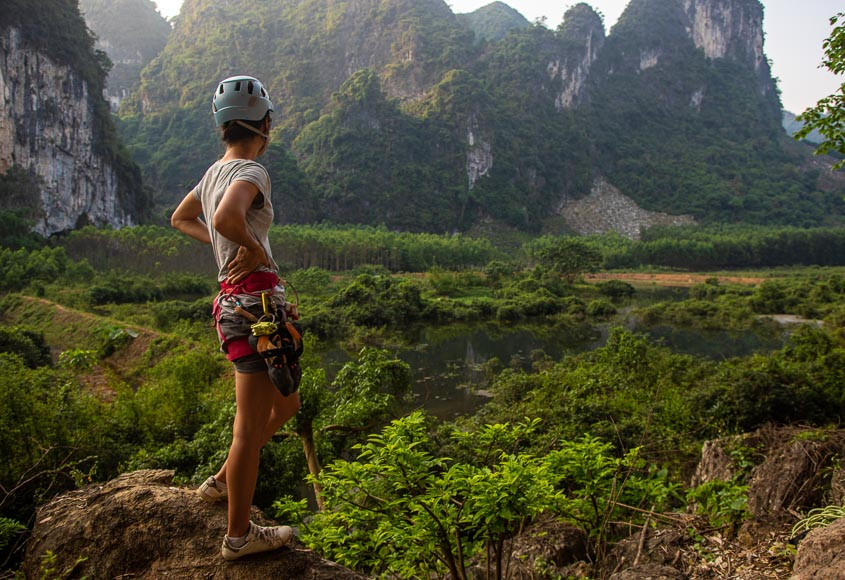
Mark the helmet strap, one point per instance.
(251, 128)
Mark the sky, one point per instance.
(794, 29)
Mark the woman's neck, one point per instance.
(242, 150)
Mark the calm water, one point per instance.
(448, 363)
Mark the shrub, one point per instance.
(616, 289)
(28, 344)
(600, 309)
(722, 502)
(167, 314)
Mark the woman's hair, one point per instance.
(232, 132)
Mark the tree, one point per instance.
(828, 116)
(401, 510)
(570, 257)
(363, 394)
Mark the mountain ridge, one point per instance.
(395, 112)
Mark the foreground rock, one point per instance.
(788, 471)
(141, 526)
(822, 553)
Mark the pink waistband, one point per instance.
(254, 282)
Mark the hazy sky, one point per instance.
(795, 30)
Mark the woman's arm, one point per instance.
(230, 220)
(186, 219)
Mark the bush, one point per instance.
(722, 502)
(28, 344)
(497, 270)
(167, 314)
(600, 309)
(313, 281)
(50, 429)
(616, 289)
(379, 301)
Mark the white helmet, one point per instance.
(240, 98)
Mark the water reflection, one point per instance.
(450, 364)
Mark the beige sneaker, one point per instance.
(212, 490)
(259, 539)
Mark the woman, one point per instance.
(233, 199)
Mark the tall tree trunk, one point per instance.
(306, 434)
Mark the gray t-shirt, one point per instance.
(209, 191)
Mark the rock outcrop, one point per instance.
(582, 35)
(788, 470)
(821, 555)
(728, 29)
(606, 209)
(48, 127)
(141, 526)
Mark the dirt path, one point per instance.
(678, 280)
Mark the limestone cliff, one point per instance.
(48, 127)
(731, 29)
(582, 35)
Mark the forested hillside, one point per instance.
(132, 33)
(400, 113)
(493, 21)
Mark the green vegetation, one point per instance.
(402, 509)
(493, 22)
(133, 32)
(828, 116)
(121, 372)
(818, 518)
(735, 169)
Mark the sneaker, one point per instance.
(212, 490)
(259, 539)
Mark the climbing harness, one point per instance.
(272, 332)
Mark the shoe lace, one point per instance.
(269, 534)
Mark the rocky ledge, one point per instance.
(141, 526)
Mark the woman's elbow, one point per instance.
(178, 222)
(218, 222)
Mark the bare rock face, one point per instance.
(607, 209)
(582, 33)
(731, 29)
(716, 464)
(47, 127)
(794, 475)
(728, 28)
(821, 555)
(140, 526)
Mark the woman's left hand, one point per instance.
(245, 262)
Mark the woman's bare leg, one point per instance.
(260, 408)
(283, 408)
